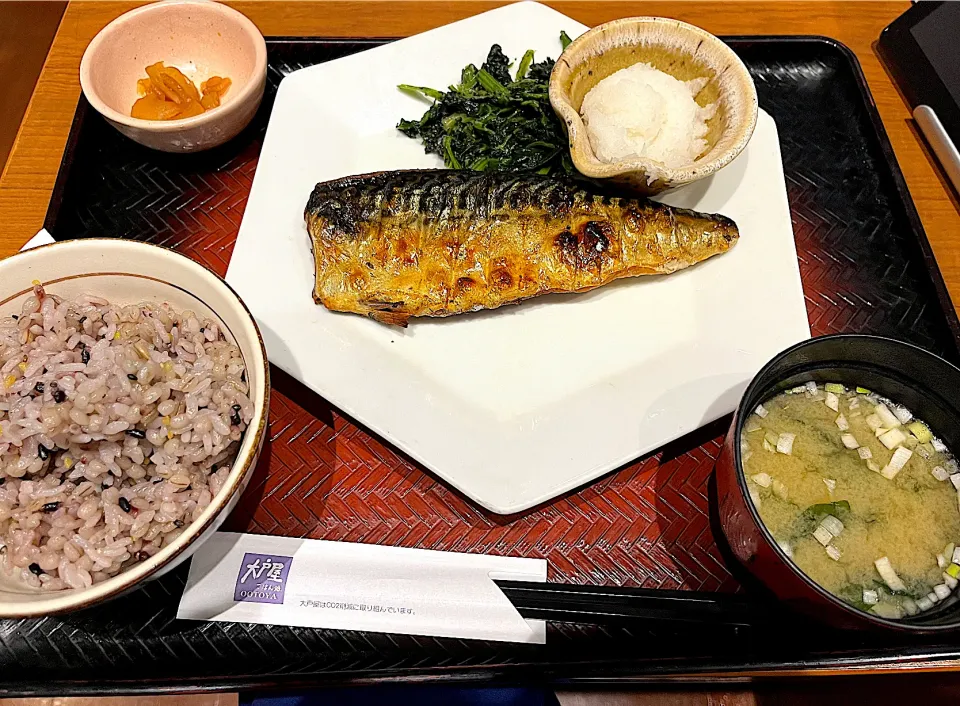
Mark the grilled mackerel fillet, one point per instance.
(395, 245)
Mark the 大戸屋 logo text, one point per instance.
(262, 578)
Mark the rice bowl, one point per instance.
(113, 421)
(131, 412)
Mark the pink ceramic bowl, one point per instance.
(201, 38)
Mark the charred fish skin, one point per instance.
(395, 245)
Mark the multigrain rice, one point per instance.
(118, 426)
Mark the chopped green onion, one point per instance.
(953, 570)
(910, 606)
(950, 581)
(897, 462)
(785, 443)
(762, 479)
(942, 591)
(822, 535)
(888, 418)
(948, 551)
(870, 597)
(956, 557)
(933, 597)
(772, 437)
(941, 562)
(779, 489)
(832, 401)
(873, 466)
(850, 441)
(842, 423)
(854, 403)
(955, 479)
(832, 525)
(924, 603)
(833, 553)
(831, 485)
(902, 414)
(865, 453)
(811, 387)
(893, 438)
(797, 390)
(863, 391)
(767, 446)
(938, 445)
(835, 387)
(940, 473)
(887, 610)
(752, 425)
(889, 576)
(761, 411)
(921, 431)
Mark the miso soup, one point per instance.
(859, 494)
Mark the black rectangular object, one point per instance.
(920, 49)
(847, 196)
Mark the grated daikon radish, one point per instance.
(641, 112)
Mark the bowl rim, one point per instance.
(68, 600)
(902, 626)
(254, 85)
(581, 152)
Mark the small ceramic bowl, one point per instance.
(201, 38)
(679, 49)
(128, 272)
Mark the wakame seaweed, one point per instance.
(492, 121)
(811, 517)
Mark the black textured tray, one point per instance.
(866, 267)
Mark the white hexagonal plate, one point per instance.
(518, 405)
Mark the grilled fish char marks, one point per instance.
(586, 248)
(438, 242)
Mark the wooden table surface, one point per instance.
(28, 178)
